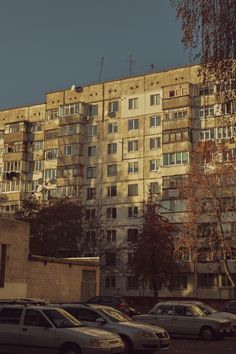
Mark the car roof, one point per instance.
(175, 302)
(85, 305)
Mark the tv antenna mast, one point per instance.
(131, 61)
(101, 68)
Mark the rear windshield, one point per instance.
(62, 319)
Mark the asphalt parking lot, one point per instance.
(197, 346)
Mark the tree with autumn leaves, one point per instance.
(154, 260)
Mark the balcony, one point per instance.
(176, 102)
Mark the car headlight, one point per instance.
(99, 343)
(147, 334)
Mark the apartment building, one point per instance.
(111, 143)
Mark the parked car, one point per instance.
(211, 311)
(31, 329)
(118, 302)
(135, 335)
(180, 318)
(230, 306)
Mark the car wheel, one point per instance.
(70, 349)
(128, 345)
(207, 333)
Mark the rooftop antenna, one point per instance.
(152, 67)
(100, 72)
(131, 62)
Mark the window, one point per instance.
(207, 134)
(132, 190)
(110, 259)
(112, 128)
(224, 132)
(36, 127)
(70, 109)
(174, 114)
(112, 191)
(132, 145)
(207, 280)
(113, 106)
(155, 121)
(37, 165)
(14, 128)
(93, 110)
(92, 150)
(174, 205)
(207, 111)
(38, 145)
(110, 282)
(51, 154)
(112, 148)
(132, 235)
(178, 181)
(92, 172)
(50, 173)
(111, 235)
(69, 129)
(91, 193)
(176, 158)
(131, 256)
(154, 100)
(133, 212)
(90, 236)
(172, 93)
(154, 188)
(35, 319)
(90, 214)
(181, 282)
(1, 134)
(207, 89)
(111, 213)
(133, 124)
(155, 143)
(92, 130)
(133, 103)
(133, 167)
(10, 316)
(3, 258)
(131, 283)
(176, 135)
(111, 170)
(52, 114)
(11, 166)
(155, 164)
(70, 150)
(71, 171)
(68, 191)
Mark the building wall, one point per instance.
(41, 277)
(15, 235)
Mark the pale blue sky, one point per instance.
(48, 45)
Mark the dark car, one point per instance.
(230, 306)
(118, 302)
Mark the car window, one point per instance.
(164, 310)
(35, 318)
(10, 315)
(94, 300)
(106, 299)
(61, 318)
(115, 316)
(183, 311)
(86, 315)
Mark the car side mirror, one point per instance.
(100, 320)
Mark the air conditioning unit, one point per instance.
(112, 114)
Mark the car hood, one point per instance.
(92, 332)
(135, 325)
(227, 315)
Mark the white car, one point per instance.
(135, 335)
(182, 318)
(211, 311)
(31, 329)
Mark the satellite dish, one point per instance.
(72, 88)
(40, 181)
(53, 180)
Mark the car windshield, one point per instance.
(197, 311)
(62, 319)
(116, 316)
(207, 309)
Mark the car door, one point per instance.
(183, 321)
(162, 316)
(37, 334)
(10, 329)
